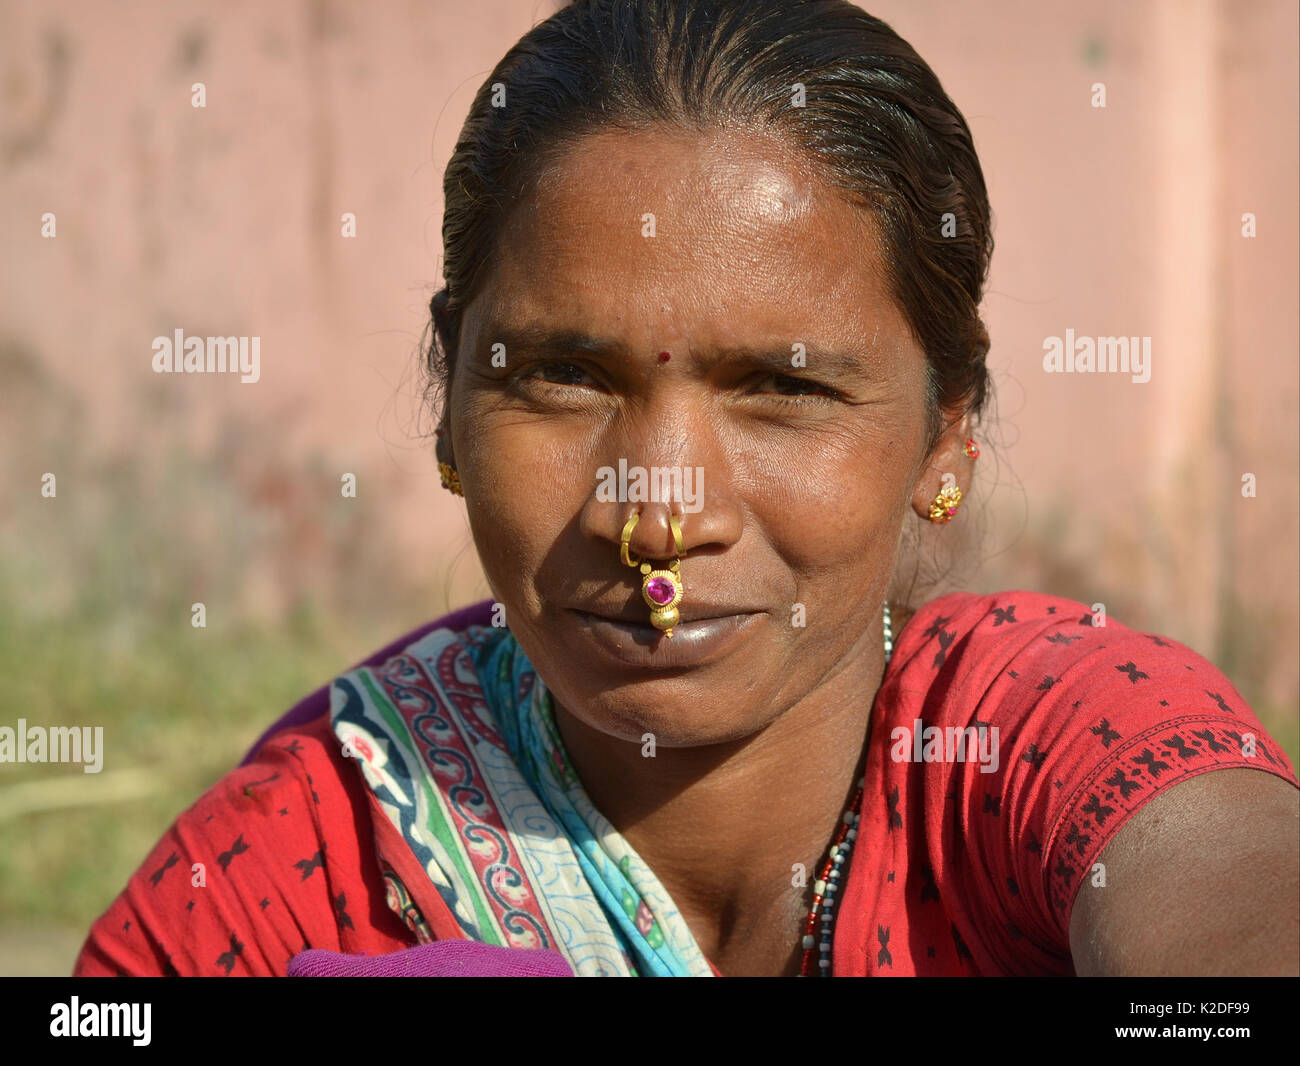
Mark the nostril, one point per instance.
(650, 543)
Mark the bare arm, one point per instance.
(1203, 881)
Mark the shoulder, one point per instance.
(437, 668)
(316, 704)
(1056, 670)
(1008, 619)
(1033, 648)
(279, 854)
(275, 857)
(1085, 721)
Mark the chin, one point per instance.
(689, 709)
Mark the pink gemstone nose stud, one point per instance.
(661, 589)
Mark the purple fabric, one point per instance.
(318, 703)
(442, 958)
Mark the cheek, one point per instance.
(510, 529)
(838, 508)
(518, 507)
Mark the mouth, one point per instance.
(704, 636)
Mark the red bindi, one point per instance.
(664, 357)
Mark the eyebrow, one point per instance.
(531, 342)
(534, 341)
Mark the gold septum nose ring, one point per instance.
(662, 588)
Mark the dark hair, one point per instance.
(876, 123)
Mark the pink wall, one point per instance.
(225, 220)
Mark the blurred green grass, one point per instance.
(183, 704)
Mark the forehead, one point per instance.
(709, 235)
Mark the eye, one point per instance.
(556, 373)
(798, 389)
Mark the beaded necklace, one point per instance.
(817, 949)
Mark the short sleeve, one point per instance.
(275, 859)
(1092, 723)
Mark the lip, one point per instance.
(640, 644)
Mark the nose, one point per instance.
(684, 469)
(709, 530)
(661, 516)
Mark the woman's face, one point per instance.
(791, 404)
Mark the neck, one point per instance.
(722, 826)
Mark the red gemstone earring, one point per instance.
(662, 589)
(972, 449)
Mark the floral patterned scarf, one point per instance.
(457, 742)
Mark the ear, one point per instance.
(948, 457)
(442, 329)
(443, 432)
(442, 445)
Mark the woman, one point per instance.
(709, 357)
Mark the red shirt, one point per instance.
(956, 870)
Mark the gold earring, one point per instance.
(661, 589)
(945, 505)
(450, 479)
